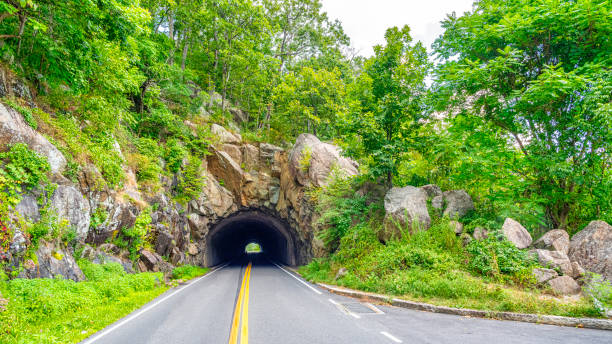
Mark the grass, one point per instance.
(187, 272)
(49, 311)
(433, 267)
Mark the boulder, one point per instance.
(458, 203)
(28, 208)
(151, 261)
(564, 285)
(223, 135)
(556, 239)
(543, 275)
(480, 233)
(466, 238)
(516, 233)
(456, 226)
(554, 259)
(577, 270)
(311, 161)
(438, 203)
(53, 261)
(405, 208)
(432, 190)
(67, 202)
(592, 248)
(341, 273)
(164, 242)
(13, 129)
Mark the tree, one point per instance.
(388, 103)
(539, 71)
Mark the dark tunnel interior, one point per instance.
(228, 238)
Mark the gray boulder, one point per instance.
(516, 233)
(556, 239)
(432, 190)
(438, 203)
(592, 248)
(405, 208)
(554, 259)
(223, 135)
(457, 227)
(311, 161)
(53, 261)
(13, 129)
(67, 202)
(458, 203)
(564, 285)
(543, 275)
(480, 233)
(28, 208)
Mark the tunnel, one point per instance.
(228, 238)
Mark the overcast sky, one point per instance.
(365, 21)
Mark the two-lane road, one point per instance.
(257, 301)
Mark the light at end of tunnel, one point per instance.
(253, 248)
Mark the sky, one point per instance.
(365, 21)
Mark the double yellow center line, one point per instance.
(242, 311)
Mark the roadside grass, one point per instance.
(433, 267)
(50, 311)
(188, 272)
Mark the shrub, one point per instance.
(134, 239)
(24, 166)
(500, 258)
(174, 155)
(191, 181)
(600, 292)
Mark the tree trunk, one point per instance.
(184, 56)
(171, 35)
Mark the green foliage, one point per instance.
(190, 181)
(500, 259)
(24, 167)
(305, 156)
(253, 248)
(60, 311)
(174, 155)
(98, 217)
(533, 78)
(188, 272)
(600, 291)
(134, 239)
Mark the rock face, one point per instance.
(458, 203)
(311, 161)
(224, 135)
(13, 129)
(556, 239)
(406, 208)
(516, 233)
(592, 248)
(69, 203)
(554, 259)
(544, 275)
(28, 208)
(564, 285)
(53, 261)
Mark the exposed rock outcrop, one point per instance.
(554, 259)
(53, 261)
(311, 161)
(68, 203)
(13, 129)
(592, 248)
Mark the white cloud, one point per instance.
(366, 21)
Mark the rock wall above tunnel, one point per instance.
(243, 177)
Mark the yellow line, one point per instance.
(236, 321)
(244, 333)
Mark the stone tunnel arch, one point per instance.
(227, 238)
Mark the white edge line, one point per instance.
(299, 280)
(354, 315)
(388, 335)
(344, 309)
(104, 332)
(334, 302)
(374, 308)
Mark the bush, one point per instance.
(500, 259)
(134, 239)
(24, 167)
(190, 182)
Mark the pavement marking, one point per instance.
(130, 318)
(299, 280)
(388, 335)
(244, 333)
(374, 308)
(238, 310)
(343, 309)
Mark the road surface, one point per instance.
(256, 301)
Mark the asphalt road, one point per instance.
(272, 305)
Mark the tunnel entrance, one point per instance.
(228, 238)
